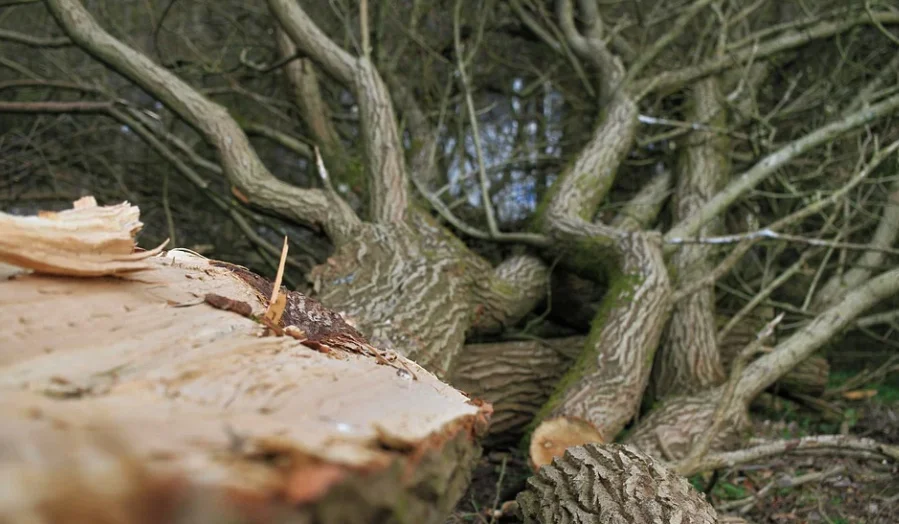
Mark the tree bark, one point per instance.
(768, 166)
(689, 360)
(303, 81)
(516, 378)
(385, 165)
(416, 288)
(606, 383)
(611, 483)
(670, 430)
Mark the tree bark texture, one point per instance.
(384, 162)
(670, 430)
(688, 360)
(316, 115)
(515, 377)
(416, 288)
(606, 383)
(581, 189)
(611, 484)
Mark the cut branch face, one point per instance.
(541, 137)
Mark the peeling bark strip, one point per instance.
(241, 165)
(611, 483)
(688, 360)
(606, 383)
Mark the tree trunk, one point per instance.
(415, 288)
(516, 378)
(606, 383)
(689, 360)
(611, 483)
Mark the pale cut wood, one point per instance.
(194, 393)
(86, 240)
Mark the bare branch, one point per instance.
(583, 186)
(646, 56)
(315, 113)
(473, 118)
(511, 292)
(284, 139)
(791, 39)
(241, 165)
(640, 211)
(590, 46)
(55, 107)
(768, 369)
(34, 41)
(768, 165)
(832, 443)
(383, 151)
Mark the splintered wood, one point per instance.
(156, 390)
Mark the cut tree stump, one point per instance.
(611, 483)
(158, 396)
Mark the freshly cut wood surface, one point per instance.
(86, 240)
(194, 391)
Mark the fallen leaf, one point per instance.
(859, 394)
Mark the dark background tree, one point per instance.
(583, 211)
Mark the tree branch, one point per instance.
(768, 369)
(34, 41)
(383, 151)
(241, 165)
(514, 289)
(307, 96)
(642, 210)
(768, 165)
(791, 39)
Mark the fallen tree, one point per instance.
(405, 276)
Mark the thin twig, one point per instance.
(701, 447)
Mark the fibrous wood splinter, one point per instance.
(317, 326)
